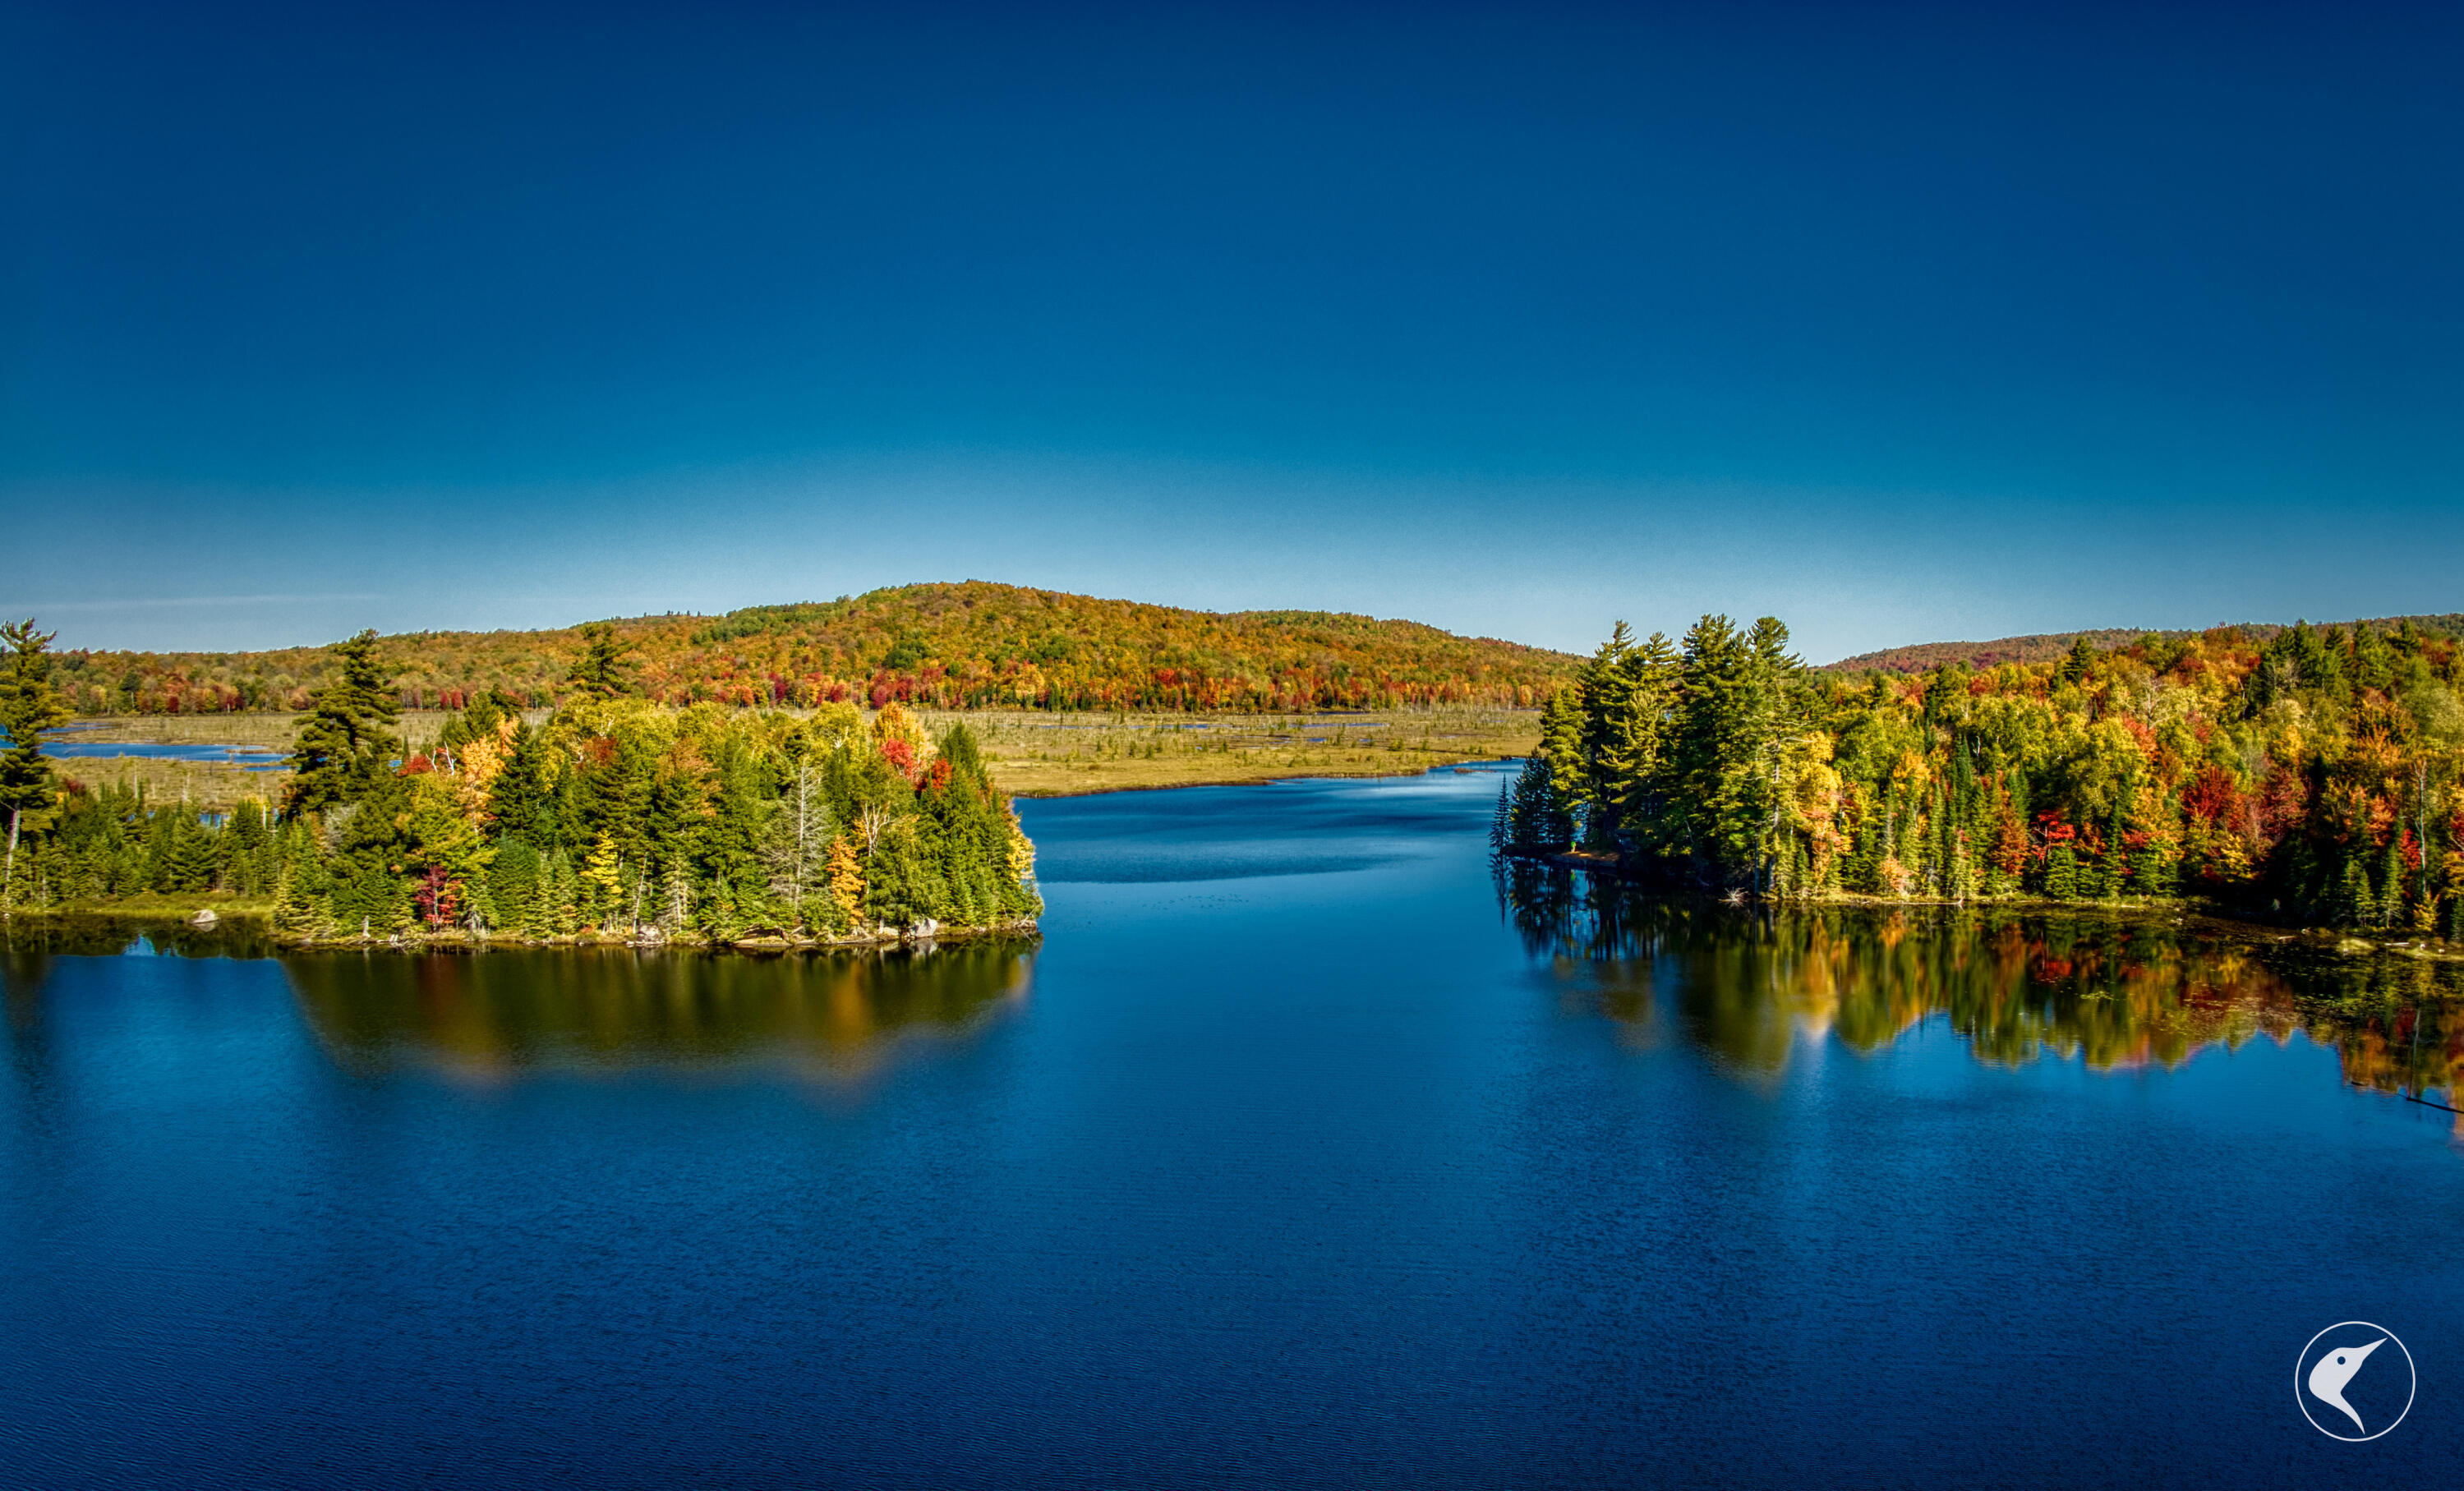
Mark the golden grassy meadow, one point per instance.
(1032, 753)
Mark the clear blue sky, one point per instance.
(1900, 322)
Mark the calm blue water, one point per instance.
(254, 759)
(250, 757)
(1290, 1157)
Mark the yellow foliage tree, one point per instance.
(844, 874)
(603, 874)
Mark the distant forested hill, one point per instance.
(974, 644)
(2046, 646)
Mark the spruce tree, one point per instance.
(2351, 905)
(518, 803)
(2390, 882)
(2151, 870)
(189, 864)
(2112, 865)
(560, 909)
(513, 886)
(2061, 873)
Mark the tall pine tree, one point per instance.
(345, 742)
(29, 707)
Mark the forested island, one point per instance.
(614, 816)
(2310, 778)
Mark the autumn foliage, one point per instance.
(948, 647)
(2309, 776)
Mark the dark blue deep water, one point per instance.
(1293, 1155)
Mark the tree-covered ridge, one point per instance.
(2312, 776)
(614, 816)
(2051, 647)
(967, 646)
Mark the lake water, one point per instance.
(1293, 1155)
(256, 758)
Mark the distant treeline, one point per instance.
(615, 814)
(2052, 647)
(2311, 777)
(951, 646)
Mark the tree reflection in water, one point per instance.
(2115, 991)
(499, 1015)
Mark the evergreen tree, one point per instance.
(1540, 822)
(1721, 771)
(30, 708)
(2081, 662)
(560, 894)
(603, 669)
(303, 904)
(2151, 870)
(2061, 873)
(2112, 862)
(519, 804)
(1561, 752)
(2391, 883)
(514, 887)
(188, 857)
(2353, 904)
(1627, 690)
(903, 882)
(248, 865)
(345, 742)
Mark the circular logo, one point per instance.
(2350, 1384)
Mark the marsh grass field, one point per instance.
(1031, 753)
(1059, 754)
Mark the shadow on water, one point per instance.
(29, 946)
(1747, 986)
(496, 1016)
(610, 1010)
(27, 941)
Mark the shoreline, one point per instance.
(456, 940)
(2178, 911)
(1464, 765)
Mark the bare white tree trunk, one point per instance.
(803, 834)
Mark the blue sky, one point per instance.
(1900, 322)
